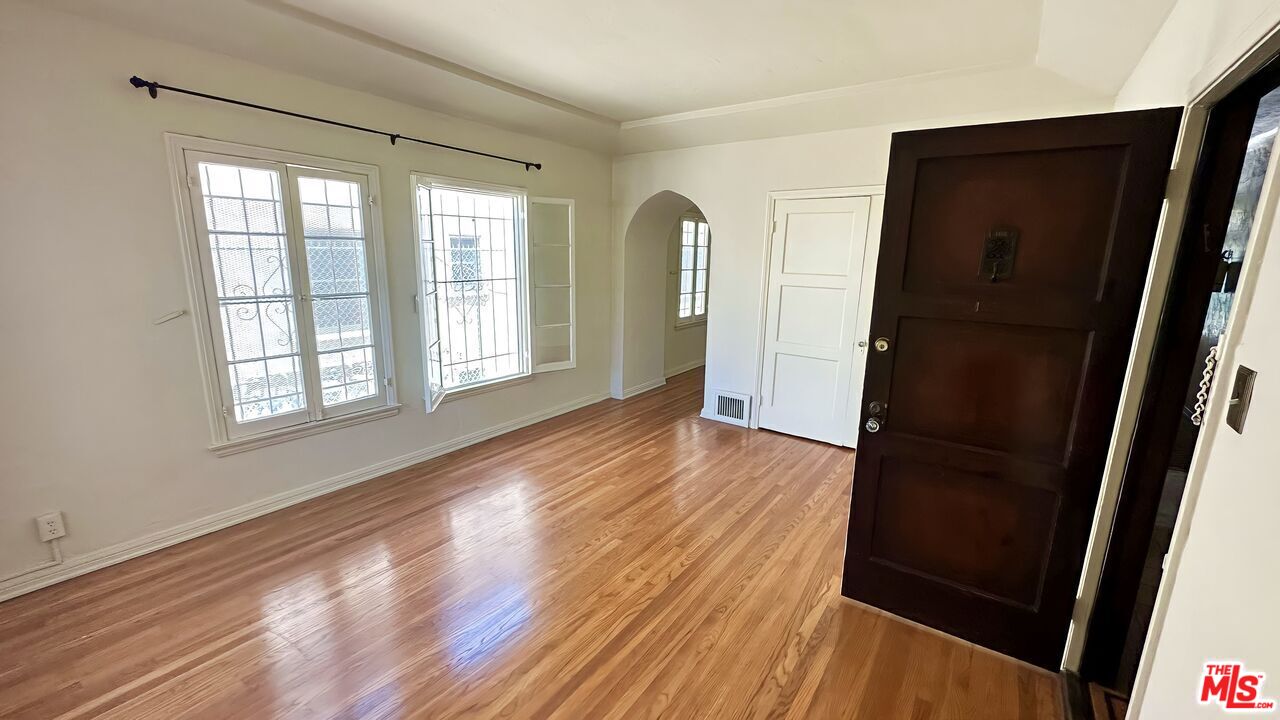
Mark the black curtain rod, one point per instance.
(153, 87)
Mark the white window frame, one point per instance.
(694, 318)
(432, 394)
(228, 436)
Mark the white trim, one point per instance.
(456, 183)
(291, 432)
(833, 192)
(130, 549)
(806, 97)
(482, 388)
(672, 372)
(643, 387)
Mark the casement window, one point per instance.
(286, 255)
(496, 270)
(695, 250)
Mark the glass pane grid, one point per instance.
(250, 262)
(337, 269)
(470, 240)
(695, 241)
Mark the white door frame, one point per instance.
(870, 255)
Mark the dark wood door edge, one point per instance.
(1075, 703)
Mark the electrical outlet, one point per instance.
(50, 527)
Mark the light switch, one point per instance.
(1241, 394)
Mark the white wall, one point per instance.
(730, 184)
(685, 347)
(104, 413)
(1200, 40)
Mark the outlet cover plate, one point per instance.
(50, 527)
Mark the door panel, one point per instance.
(815, 276)
(995, 375)
(997, 389)
(953, 526)
(1061, 196)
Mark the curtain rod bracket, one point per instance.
(153, 89)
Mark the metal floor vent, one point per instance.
(732, 408)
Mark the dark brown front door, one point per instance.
(1012, 261)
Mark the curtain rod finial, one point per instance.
(140, 83)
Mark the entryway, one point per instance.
(1186, 366)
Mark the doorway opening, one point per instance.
(667, 300)
(1236, 154)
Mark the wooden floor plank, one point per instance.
(627, 560)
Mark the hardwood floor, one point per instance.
(627, 560)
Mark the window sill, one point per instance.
(467, 392)
(275, 437)
(691, 323)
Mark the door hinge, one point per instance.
(225, 412)
(191, 180)
(373, 201)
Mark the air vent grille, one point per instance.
(732, 407)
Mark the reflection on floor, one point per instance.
(626, 560)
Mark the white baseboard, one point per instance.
(98, 559)
(643, 387)
(672, 372)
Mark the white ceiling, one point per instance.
(629, 60)
(654, 74)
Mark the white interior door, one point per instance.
(811, 318)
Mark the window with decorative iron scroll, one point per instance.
(474, 241)
(295, 312)
(497, 290)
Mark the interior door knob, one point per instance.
(873, 425)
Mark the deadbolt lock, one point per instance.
(876, 407)
(882, 344)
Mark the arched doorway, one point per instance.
(666, 291)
